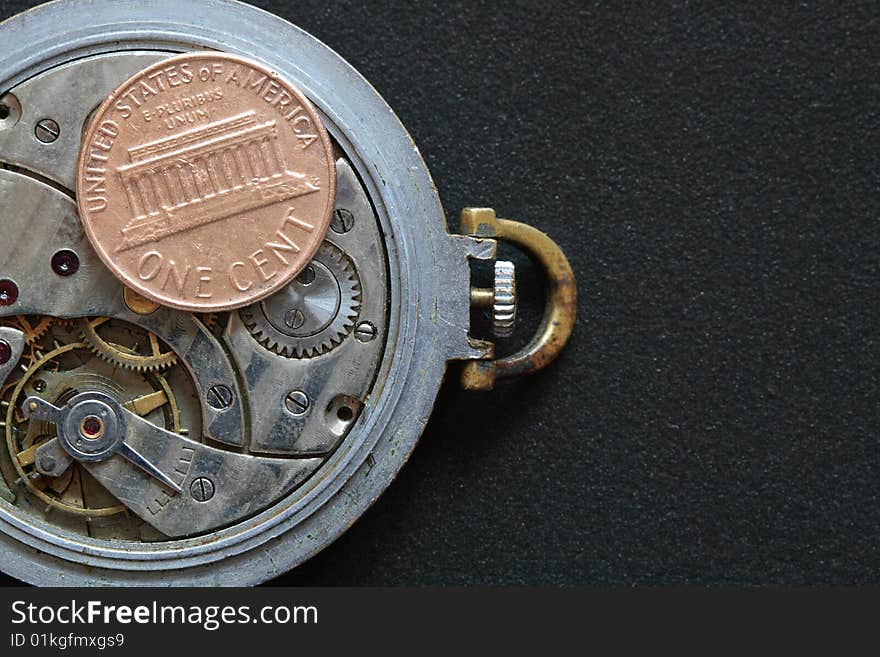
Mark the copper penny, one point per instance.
(206, 182)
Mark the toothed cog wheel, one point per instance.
(314, 313)
(33, 327)
(146, 354)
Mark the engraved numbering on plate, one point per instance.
(181, 471)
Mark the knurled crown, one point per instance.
(504, 306)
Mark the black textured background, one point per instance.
(712, 174)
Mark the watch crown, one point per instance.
(504, 304)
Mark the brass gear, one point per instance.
(33, 328)
(19, 450)
(65, 323)
(157, 361)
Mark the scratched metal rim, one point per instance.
(412, 219)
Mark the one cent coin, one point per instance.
(206, 182)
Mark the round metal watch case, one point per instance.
(403, 256)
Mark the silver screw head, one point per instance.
(47, 131)
(47, 464)
(342, 221)
(307, 277)
(365, 331)
(294, 318)
(202, 489)
(297, 402)
(220, 397)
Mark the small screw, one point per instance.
(365, 332)
(343, 221)
(220, 397)
(5, 352)
(308, 276)
(8, 292)
(202, 489)
(297, 402)
(47, 464)
(65, 262)
(47, 131)
(294, 318)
